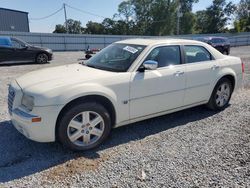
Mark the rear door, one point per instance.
(5, 54)
(5, 49)
(201, 72)
(156, 91)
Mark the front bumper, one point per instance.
(50, 57)
(42, 131)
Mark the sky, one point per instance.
(42, 8)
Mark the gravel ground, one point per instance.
(191, 148)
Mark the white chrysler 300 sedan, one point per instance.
(126, 82)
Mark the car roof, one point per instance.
(211, 37)
(156, 41)
(4, 38)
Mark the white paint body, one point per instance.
(148, 94)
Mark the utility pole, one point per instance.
(179, 14)
(65, 16)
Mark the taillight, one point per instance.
(242, 67)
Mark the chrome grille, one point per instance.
(11, 97)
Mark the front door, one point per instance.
(20, 51)
(156, 91)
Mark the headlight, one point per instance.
(49, 50)
(28, 101)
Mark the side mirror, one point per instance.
(150, 65)
(25, 47)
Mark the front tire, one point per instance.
(221, 95)
(84, 126)
(225, 52)
(42, 58)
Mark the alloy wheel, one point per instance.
(86, 128)
(41, 58)
(222, 94)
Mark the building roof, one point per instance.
(13, 10)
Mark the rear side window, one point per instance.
(215, 40)
(5, 42)
(165, 55)
(196, 54)
(218, 40)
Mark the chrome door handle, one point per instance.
(214, 67)
(178, 73)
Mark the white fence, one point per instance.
(75, 42)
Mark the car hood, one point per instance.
(39, 48)
(62, 76)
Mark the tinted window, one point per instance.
(166, 55)
(5, 42)
(222, 40)
(218, 40)
(215, 40)
(16, 44)
(196, 54)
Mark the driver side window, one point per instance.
(16, 44)
(165, 56)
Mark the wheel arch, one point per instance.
(88, 98)
(230, 76)
(41, 52)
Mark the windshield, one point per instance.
(116, 57)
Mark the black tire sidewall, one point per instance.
(45, 55)
(212, 102)
(72, 112)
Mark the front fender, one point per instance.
(85, 90)
(66, 94)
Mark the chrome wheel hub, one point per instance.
(85, 128)
(223, 94)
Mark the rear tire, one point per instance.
(221, 95)
(84, 126)
(42, 58)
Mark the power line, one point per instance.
(45, 17)
(85, 12)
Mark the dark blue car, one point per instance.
(222, 44)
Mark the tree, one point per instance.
(126, 10)
(188, 19)
(141, 17)
(215, 18)
(74, 26)
(243, 10)
(60, 29)
(242, 23)
(158, 17)
(201, 21)
(94, 28)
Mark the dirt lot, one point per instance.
(191, 148)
